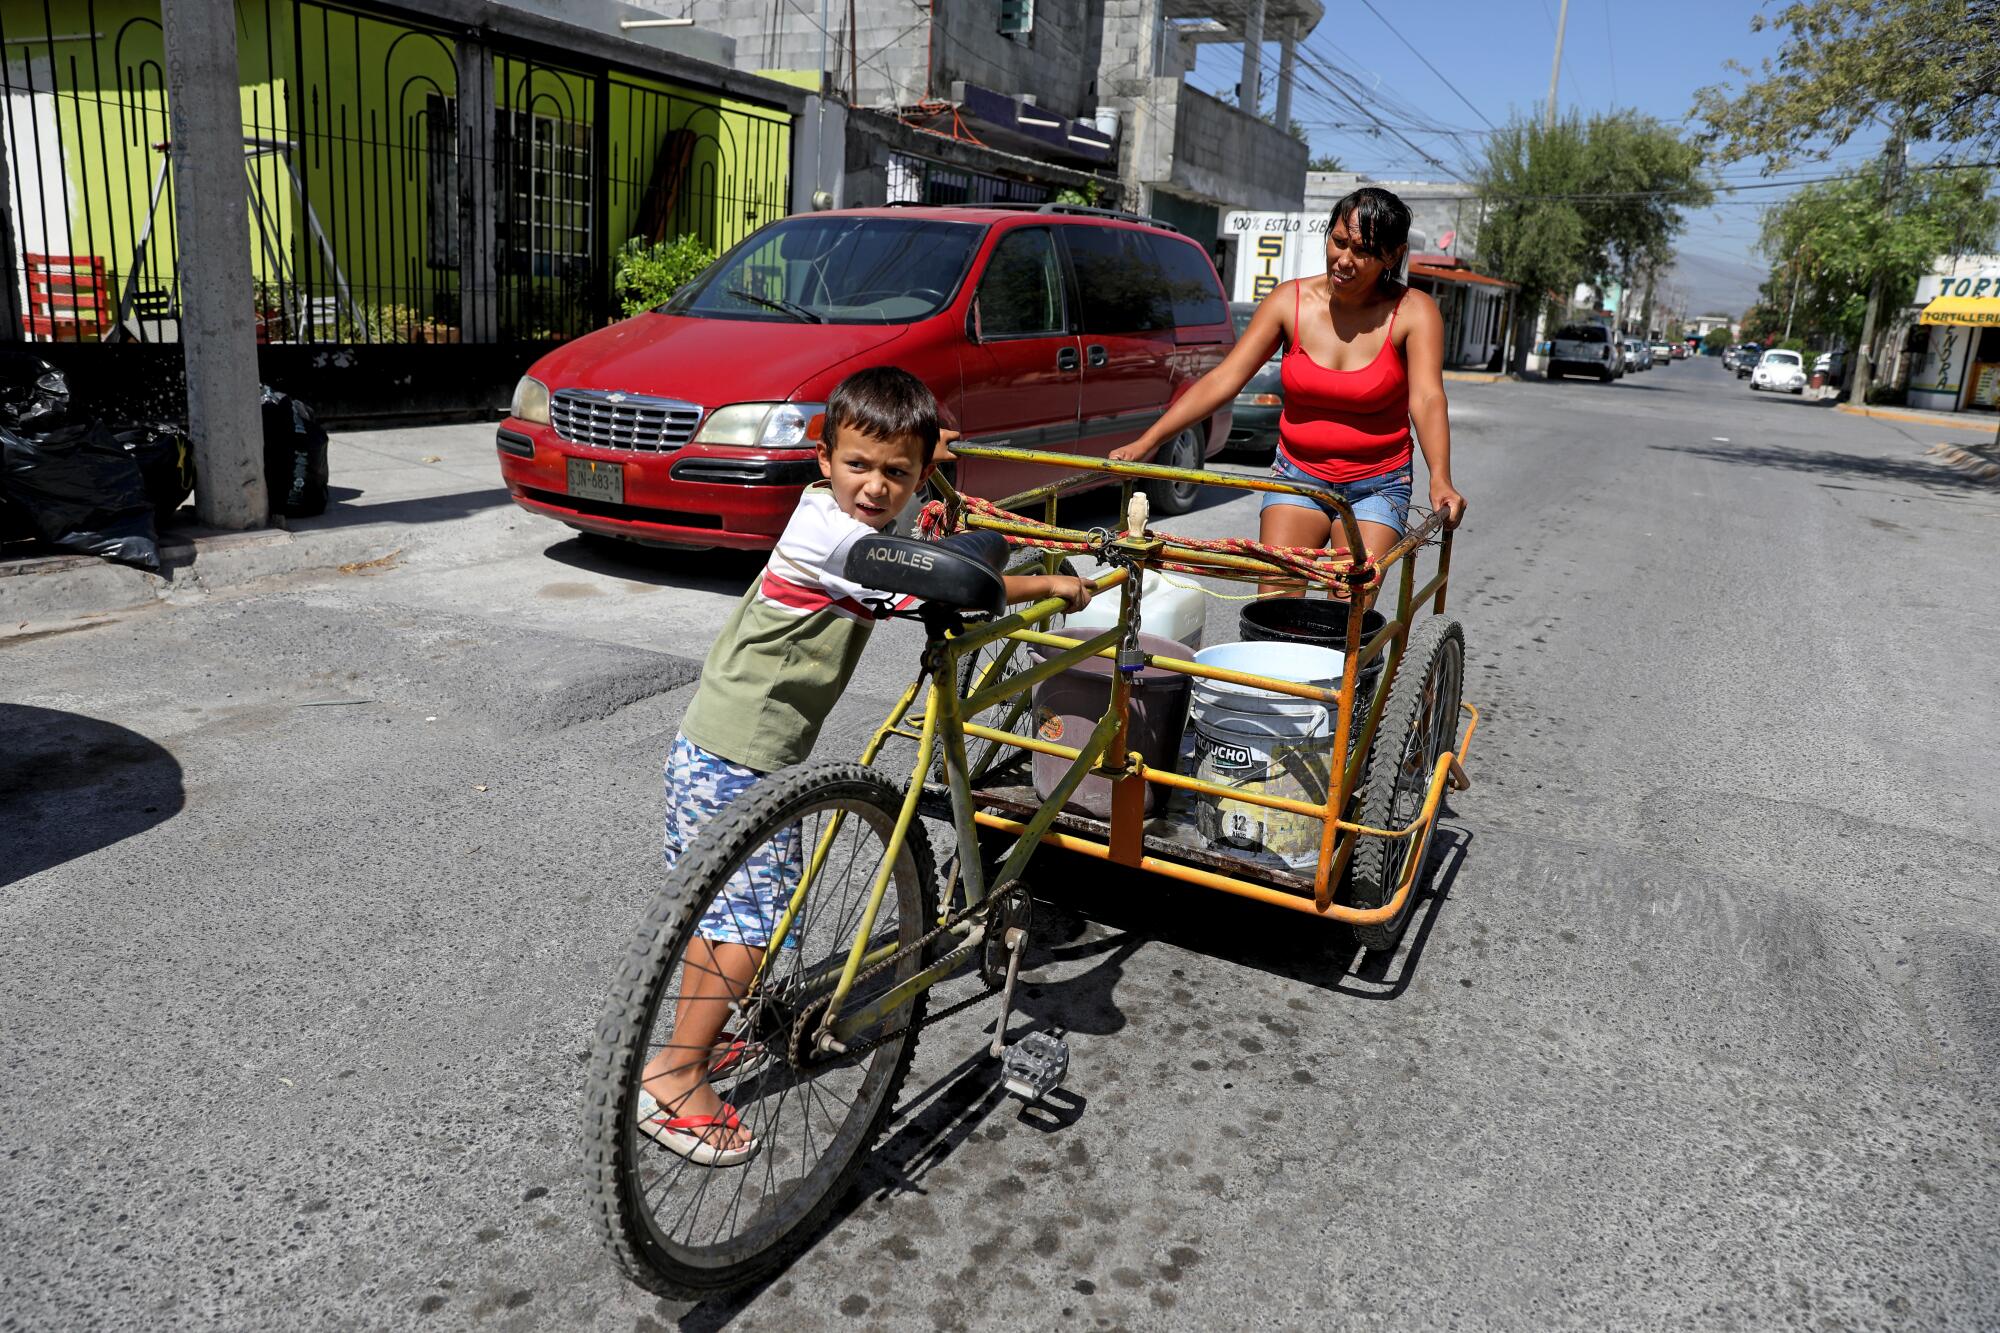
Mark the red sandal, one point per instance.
(687, 1135)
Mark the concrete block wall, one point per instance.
(1222, 155)
(1057, 63)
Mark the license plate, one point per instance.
(591, 480)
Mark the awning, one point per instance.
(1979, 310)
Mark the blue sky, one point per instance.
(1615, 54)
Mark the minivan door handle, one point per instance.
(1097, 356)
(1066, 359)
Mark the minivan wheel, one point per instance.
(1176, 497)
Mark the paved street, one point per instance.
(313, 893)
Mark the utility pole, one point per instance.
(1864, 356)
(1555, 72)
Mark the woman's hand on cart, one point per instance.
(1447, 501)
(1136, 452)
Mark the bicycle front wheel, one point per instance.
(686, 1229)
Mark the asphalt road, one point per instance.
(312, 894)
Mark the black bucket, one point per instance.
(1317, 621)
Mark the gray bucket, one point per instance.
(1262, 741)
(1068, 705)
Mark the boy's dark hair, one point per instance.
(886, 402)
(1381, 219)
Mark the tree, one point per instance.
(1832, 242)
(1716, 341)
(1327, 162)
(1931, 65)
(1576, 200)
(1534, 233)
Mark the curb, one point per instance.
(1914, 418)
(66, 587)
(1975, 465)
(1476, 376)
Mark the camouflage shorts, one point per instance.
(700, 786)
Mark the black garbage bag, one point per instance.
(34, 395)
(82, 492)
(166, 465)
(294, 456)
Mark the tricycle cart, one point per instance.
(820, 1038)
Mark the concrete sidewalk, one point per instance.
(1972, 421)
(389, 490)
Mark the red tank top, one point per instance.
(1345, 425)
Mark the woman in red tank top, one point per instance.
(1364, 359)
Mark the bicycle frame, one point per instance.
(1106, 751)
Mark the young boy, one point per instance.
(772, 677)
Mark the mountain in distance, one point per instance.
(1716, 286)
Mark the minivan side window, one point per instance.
(1193, 292)
(1021, 294)
(1118, 281)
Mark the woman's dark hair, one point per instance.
(886, 402)
(1381, 219)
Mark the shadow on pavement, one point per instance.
(418, 509)
(720, 570)
(1830, 462)
(71, 784)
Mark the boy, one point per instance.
(774, 674)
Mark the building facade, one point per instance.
(1953, 344)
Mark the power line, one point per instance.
(1429, 66)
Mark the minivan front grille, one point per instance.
(623, 420)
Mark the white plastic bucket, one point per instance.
(1262, 741)
(1165, 609)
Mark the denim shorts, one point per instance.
(1384, 499)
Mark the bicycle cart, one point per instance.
(820, 1039)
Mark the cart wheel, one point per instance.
(1419, 723)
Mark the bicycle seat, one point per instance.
(962, 571)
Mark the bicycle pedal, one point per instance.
(1034, 1066)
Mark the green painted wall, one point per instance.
(367, 104)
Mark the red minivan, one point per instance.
(694, 424)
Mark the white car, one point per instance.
(1780, 371)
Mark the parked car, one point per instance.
(694, 424)
(1254, 424)
(1633, 352)
(1832, 365)
(1747, 355)
(1680, 352)
(1585, 349)
(1780, 370)
(1665, 351)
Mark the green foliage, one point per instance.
(1327, 162)
(648, 274)
(1716, 341)
(1931, 65)
(1831, 240)
(1090, 196)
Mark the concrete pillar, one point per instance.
(819, 155)
(478, 205)
(1253, 52)
(1287, 56)
(212, 218)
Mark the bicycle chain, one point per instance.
(810, 1015)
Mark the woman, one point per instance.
(1364, 358)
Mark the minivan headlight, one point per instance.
(764, 425)
(531, 401)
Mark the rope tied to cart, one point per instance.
(1325, 567)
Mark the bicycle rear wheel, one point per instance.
(686, 1230)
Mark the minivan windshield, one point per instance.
(836, 270)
